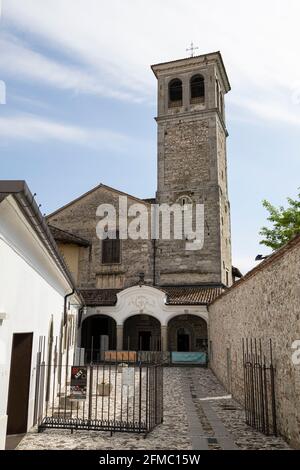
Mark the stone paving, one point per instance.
(195, 418)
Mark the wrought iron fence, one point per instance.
(259, 386)
(121, 392)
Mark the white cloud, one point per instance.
(111, 45)
(279, 109)
(18, 60)
(36, 129)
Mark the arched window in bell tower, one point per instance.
(175, 93)
(197, 89)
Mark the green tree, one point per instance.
(286, 223)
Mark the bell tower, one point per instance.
(192, 166)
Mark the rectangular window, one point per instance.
(111, 250)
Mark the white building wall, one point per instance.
(32, 292)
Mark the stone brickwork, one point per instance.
(80, 218)
(224, 207)
(192, 163)
(183, 141)
(264, 304)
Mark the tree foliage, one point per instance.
(285, 223)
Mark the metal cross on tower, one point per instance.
(192, 48)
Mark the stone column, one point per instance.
(119, 337)
(185, 92)
(164, 338)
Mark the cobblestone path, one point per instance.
(198, 414)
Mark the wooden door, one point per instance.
(19, 382)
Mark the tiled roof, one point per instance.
(98, 297)
(67, 237)
(194, 295)
(176, 295)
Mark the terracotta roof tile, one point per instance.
(62, 236)
(98, 297)
(194, 295)
(176, 295)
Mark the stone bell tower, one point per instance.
(192, 166)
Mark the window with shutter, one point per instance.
(111, 250)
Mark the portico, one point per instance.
(143, 318)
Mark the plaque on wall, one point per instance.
(78, 383)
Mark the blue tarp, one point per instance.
(189, 357)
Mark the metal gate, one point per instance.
(259, 386)
(122, 392)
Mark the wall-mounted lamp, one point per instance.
(3, 316)
(261, 257)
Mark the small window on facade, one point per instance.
(184, 202)
(227, 278)
(218, 94)
(175, 93)
(111, 250)
(221, 104)
(197, 89)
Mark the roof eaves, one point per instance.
(101, 185)
(27, 204)
(76, 239)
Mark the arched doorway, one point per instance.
(183, 339)
(98, 334)
(142, 333)
(187, 333)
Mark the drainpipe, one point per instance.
(65, 323)
(154, 262)
(65, 304)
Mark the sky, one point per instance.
(81, 97)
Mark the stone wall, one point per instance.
(264, 304)
(80, 218)
(188, 149)
(224, 207)
(192, 163)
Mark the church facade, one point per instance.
(151, 293)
